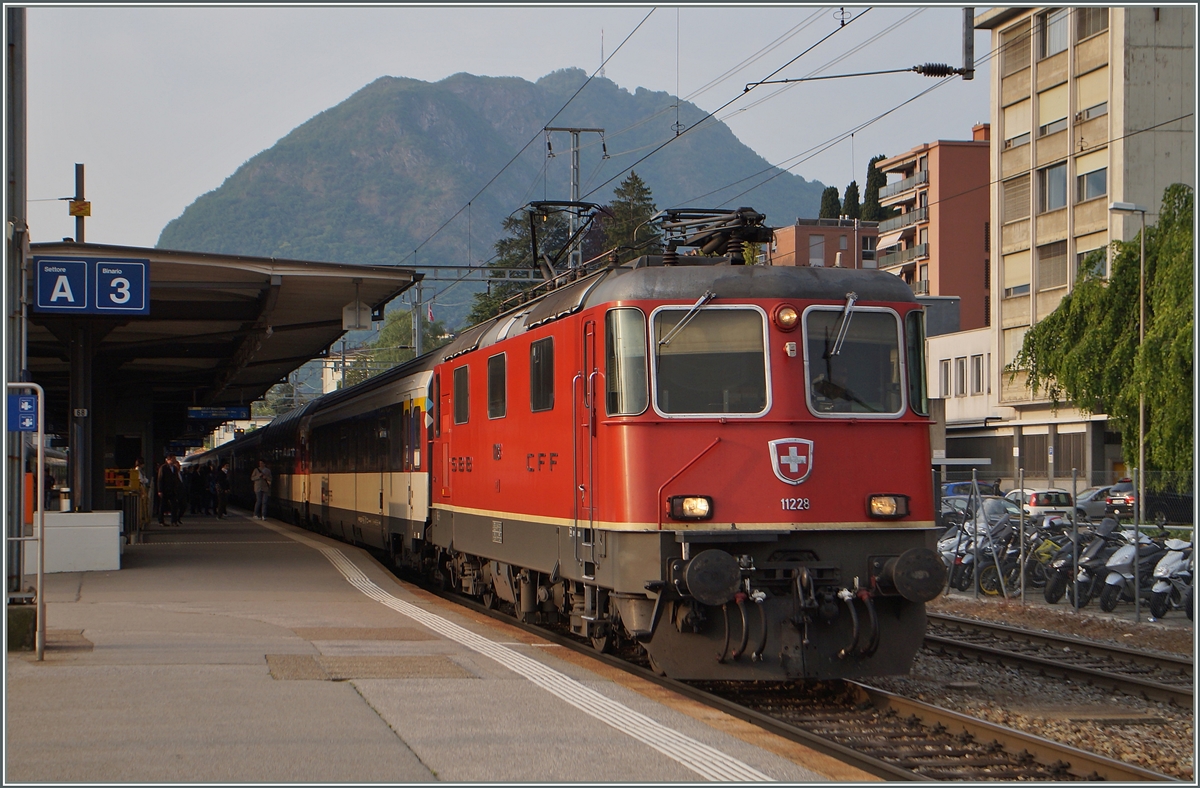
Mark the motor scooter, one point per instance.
(1094, 549)
(1119, 582)
(1172, 578)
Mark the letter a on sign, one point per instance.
(62, 289)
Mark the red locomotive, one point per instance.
(727, 464)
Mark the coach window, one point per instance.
(626, 392)
(853, 361)
(709, 361)
(497, 387)
(413, 441)
(918, 395)
(461, 401)
(541, 375)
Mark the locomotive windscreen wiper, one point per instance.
(844, 326)
(704, 299)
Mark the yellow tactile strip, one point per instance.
(364, 633)
(305, 667)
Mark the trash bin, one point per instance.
(64, 499)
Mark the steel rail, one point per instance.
(1180, 694)
(1078, 763)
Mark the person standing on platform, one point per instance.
(221, 485)
(170, 488)
(261, 476)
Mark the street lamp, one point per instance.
(1128, 207)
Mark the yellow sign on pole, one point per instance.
(80, 208)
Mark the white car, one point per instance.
(1049, 501)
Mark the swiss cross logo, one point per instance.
(791, 459)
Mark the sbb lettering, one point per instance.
(541, 460)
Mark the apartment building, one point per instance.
(848, 243)
(1089, 106)
(939, 241)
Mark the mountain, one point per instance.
(387, 170)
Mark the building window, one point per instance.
(1014, 338)
(868, 251)
(1052, 110)
(541, 375)
(1089, 263)
(1052, 32)
(1091, 94)
(945, 378)
(842, 242)
(1015, 42)
(1052, 265)
(977, 374)
(923, 235)
(816, 250)
(1033, 454)
(1017, 120)
(1052, 188)
(960, 376)
(923, 200)
(1089, 22)
(1068, 454)
(924, 274)
(1016, 198)
(1016, 273)
(1092, 185)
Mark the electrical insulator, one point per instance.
(935, 70)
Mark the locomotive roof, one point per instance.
(647, 279)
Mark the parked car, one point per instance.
(1048, 501)
(957, 509)
(1091, 503)
(1161, 507)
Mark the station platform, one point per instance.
(239, 651)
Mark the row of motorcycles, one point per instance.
(1080, 563)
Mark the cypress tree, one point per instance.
(831, 206)
(850, 207)
(876, 180)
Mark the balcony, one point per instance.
(903, 220)
(904, 185)
(903, 256)
(920, 287)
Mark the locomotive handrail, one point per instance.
(658, 501)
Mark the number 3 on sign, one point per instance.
(120, 294)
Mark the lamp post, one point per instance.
(1128, 207)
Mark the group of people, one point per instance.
(203, 490)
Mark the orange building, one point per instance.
(940, 242)
(849, 243)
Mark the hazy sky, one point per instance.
(163, 104)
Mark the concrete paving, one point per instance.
(242, 651)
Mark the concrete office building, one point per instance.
(1089, 106)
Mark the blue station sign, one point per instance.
(22, 413)
(231, 413)
(91, 286)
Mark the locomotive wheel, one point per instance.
(488, 600)
(654, 665)
(1109, 598)
(604, 643)
(1160, 603)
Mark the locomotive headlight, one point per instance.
(786, 317)
(690, 507)
(888, 507)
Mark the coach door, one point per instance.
(584, 413)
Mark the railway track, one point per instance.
(881, 733)
(1154, 676)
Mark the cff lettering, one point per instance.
(541, 460)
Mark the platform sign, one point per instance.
(22, 413)
(92, 286)
(231, 413)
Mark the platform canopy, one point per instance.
(221, 329)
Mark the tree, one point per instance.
(876, 180)
(625, 220)
(831, 207)
(1087, 350)
(514, 251)
(850, 203)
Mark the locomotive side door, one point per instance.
(584, 425)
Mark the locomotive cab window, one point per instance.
(852, 361)
(461, 396)
(918, 396)
(625, 362)
(497, 387)
(541, 375)
(710, 361)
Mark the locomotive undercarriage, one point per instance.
(757, 605)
